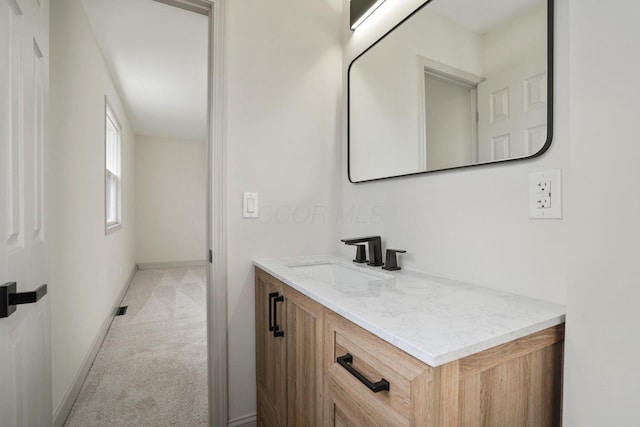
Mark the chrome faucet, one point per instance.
(375, 248)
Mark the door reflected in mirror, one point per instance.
(458, 83)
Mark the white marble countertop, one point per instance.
(436, 320)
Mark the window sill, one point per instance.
(112, 227)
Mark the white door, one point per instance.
(512, 113)
(25, 365)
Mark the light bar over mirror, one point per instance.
(359, 10)
(457, 83)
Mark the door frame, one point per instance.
(217, 222)
(216, 272)
(427, 66)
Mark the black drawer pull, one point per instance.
(271, 296)
(276, 328)
(346, 360)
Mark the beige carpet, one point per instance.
(152, 367)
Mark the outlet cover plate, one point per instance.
(545, 185)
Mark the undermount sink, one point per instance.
(338, 274)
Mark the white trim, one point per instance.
(473, 123)
(112, 227)
(61, 413)
(422, 126)
(250, 420)
(170, 264)
(196, 6)
(110, 115)
(216, 224)
(452, 73)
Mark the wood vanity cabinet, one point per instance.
(289, 374)
(515, 384)
(320, 374)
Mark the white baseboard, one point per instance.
(250, 420)
(62, 411)
(170, 264)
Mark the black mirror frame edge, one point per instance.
(550, 74)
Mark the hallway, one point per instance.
(152, 367)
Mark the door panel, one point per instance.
(25, 395)
(512, 109)
(12, 42)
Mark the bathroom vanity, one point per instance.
(342, 345)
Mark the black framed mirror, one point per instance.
(457, 83)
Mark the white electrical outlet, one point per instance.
(544, 187)
(545, 194)
(543, 202)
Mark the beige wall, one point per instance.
(171, 177)
(88, 268)
(283, 63)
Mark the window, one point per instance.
(113, 186)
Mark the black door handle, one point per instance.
(10, 298)
(276, 328)
(346, 360)
(271, 322)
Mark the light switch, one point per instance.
(249, 205)
(545, 195)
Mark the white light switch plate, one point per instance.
(249, 205)
(545, 194)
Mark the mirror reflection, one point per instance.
(458, 83)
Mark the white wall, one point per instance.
(171, 177)
(88, 269)
(518, 41)
(283, 65)
(470, 224)
(602, 386)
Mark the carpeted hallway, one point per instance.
(152, 367)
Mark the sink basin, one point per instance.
(338, 274)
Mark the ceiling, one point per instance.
(481, 16)
(157, 56)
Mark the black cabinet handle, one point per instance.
(271, 322)
(276, 328)
(346, 360)
(9, 297)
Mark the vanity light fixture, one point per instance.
(359, 10)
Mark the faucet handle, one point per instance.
(391, 263)
(361, 255)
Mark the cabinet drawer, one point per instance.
(341, 410)
(375, 360)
